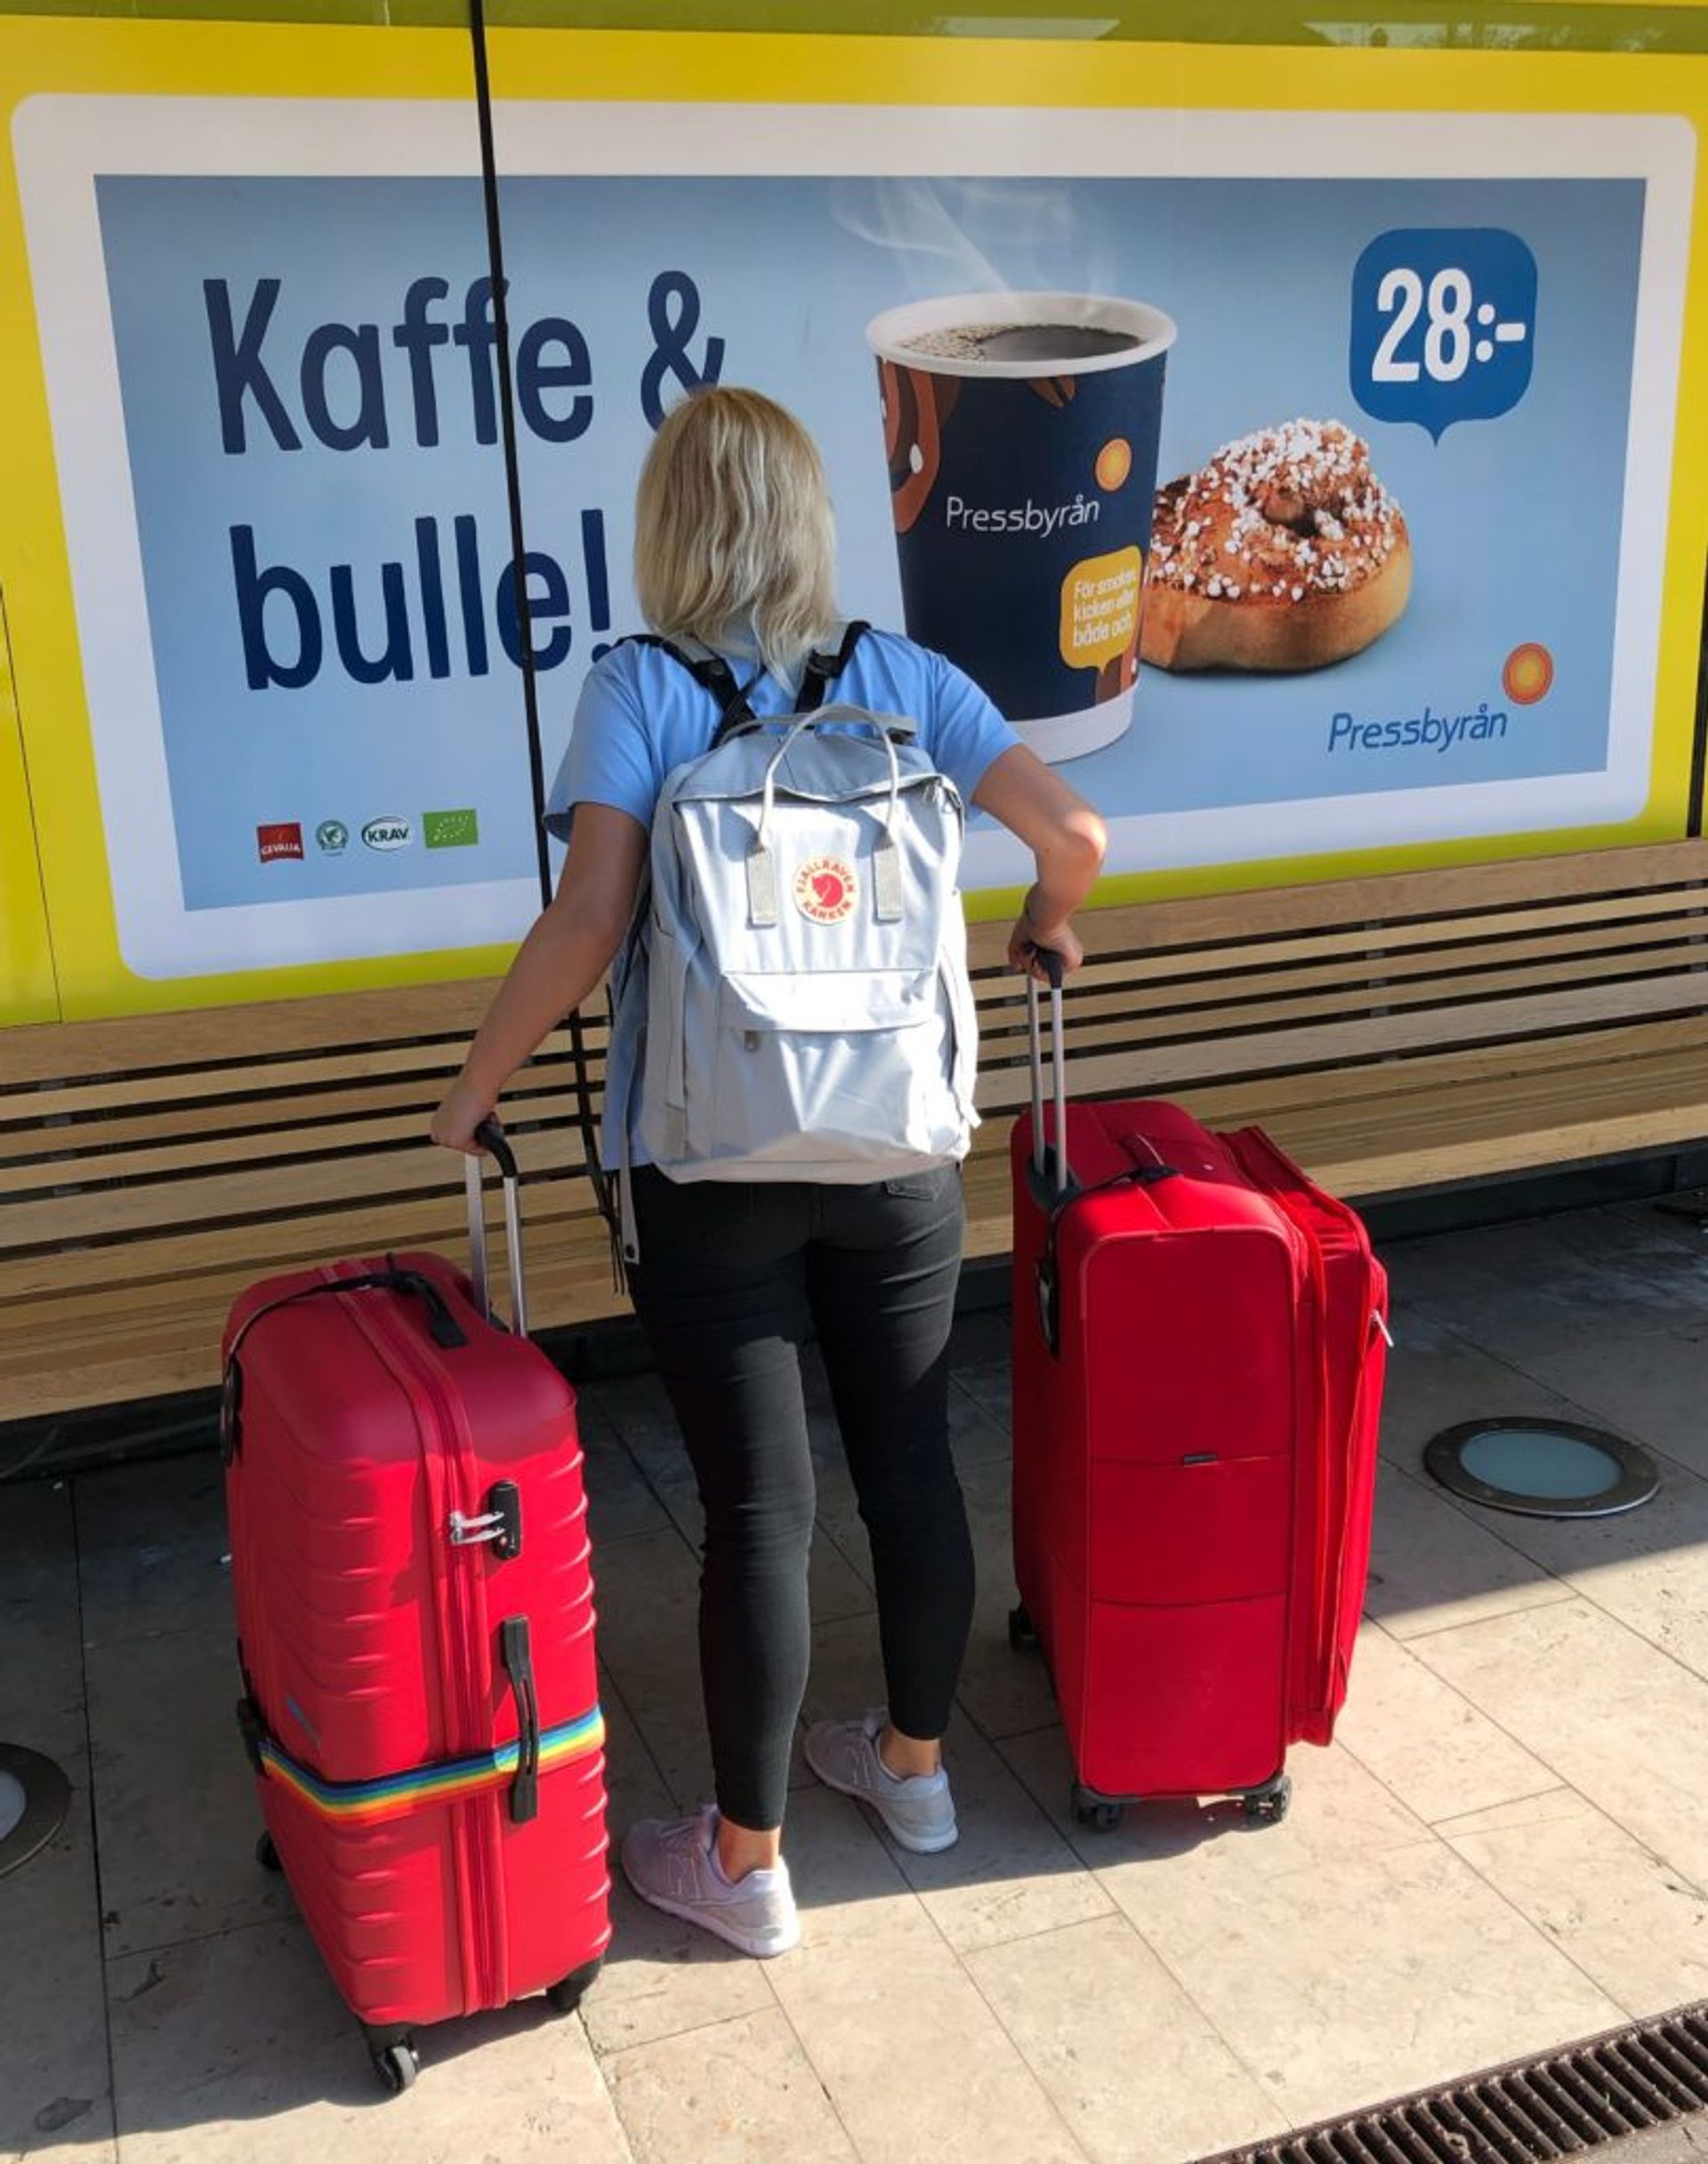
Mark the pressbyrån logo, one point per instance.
(332, 837)
(281, 844)
(826, 889)
(450, 830)
(389, 834)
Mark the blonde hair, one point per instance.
(733, 530)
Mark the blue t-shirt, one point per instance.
(642, 715)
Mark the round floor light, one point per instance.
(35, 1797)
(1542, 1469)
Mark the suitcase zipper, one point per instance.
(1302, 1201)
(462, 1648)
(480, 1813)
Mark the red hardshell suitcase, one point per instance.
(1199, 1345)
(415, 1630)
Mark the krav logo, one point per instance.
(389, 834)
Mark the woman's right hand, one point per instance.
(461, 1111)
(1067, 838)
(1028, 943)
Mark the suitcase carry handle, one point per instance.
(1053, 969)
(493, 1139)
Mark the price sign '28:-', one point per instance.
(1444, 325)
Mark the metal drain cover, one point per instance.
(35, 1797)
(1532, 2111)
(1542, 1469)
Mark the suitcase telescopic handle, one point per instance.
(494, 1143)
(1053, 967)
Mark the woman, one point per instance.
(734, 549)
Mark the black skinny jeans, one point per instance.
(730, 1278)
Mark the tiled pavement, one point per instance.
(1506, 1848)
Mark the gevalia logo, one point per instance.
(281, 844)
(389, 834)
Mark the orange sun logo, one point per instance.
(1114, 463)
(1528, 674)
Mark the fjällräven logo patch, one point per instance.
(825, 889)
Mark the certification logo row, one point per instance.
(283, 843)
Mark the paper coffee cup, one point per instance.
(1022, 447)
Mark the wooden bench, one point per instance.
(1397, 1033)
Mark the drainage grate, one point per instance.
(1648, 2075)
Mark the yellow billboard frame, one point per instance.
(230, 59)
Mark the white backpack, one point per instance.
(799, 953)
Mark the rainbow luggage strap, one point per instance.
(367, 1803)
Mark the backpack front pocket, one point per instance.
(844, 1069)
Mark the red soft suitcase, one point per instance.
(1200, 1344)
(416, 1631)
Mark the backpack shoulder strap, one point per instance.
(822, 669)
(710, 671)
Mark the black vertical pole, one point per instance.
(519, 575)
(507, 430)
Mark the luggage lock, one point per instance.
(500, 1523)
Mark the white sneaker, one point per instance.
(673, 1865)
(917, 1808)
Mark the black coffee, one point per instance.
(1039, 343)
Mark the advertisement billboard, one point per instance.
(1300, 471)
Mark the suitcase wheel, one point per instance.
(266, 1854)
(1022, 1633)
(397, 2064)
(1102, 1814)
(566, 1995)
(1267, 1806)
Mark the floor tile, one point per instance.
(739, 2093)
(848, 1884)
(1440, 1376)
(1345, 1985)
(1011, 1873)
(661, 1976)
(1338, 1808)
(638, 1409)
(978, 1429)
(648, 1637)
(1523, 1290)
(41, 1672)
(1649, 1567)
(1427, 1745)
(1433, 1564)
(1333, 1952)
(1135, 2070)
(1658, 1397)
(990, 1385)
(152, 1545)
(620, 1499)
(237, 2045)
(174, 1799)
(54, 2096)
(913, 2058)
(1615, 1718)
(1006, 1692)
(1626, 1918)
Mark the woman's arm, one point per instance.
(1068, 841)
(568, 950)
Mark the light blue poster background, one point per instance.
(1514, 521)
